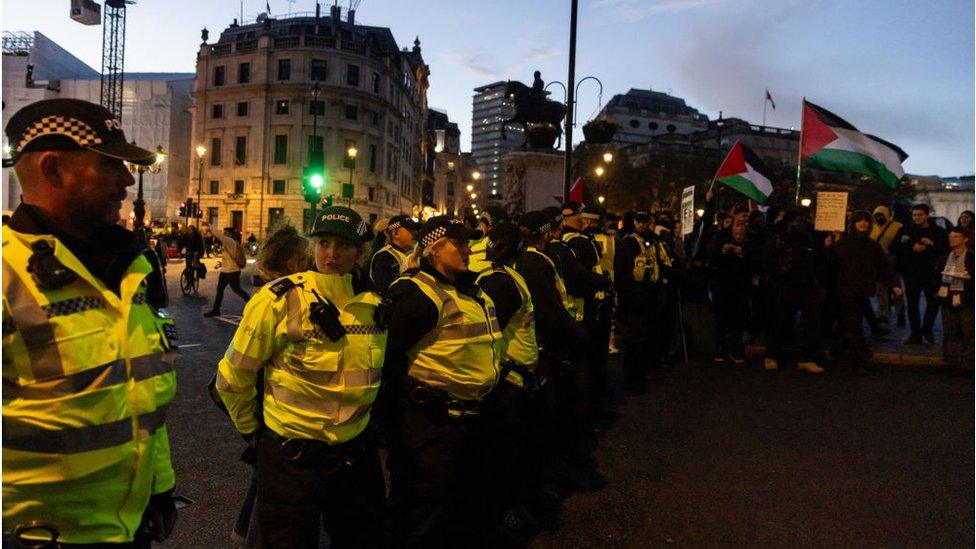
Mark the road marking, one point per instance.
(185, 345)
(230, 319)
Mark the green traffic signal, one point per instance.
(316, 181)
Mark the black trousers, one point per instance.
(598, 324)
(441, 473)
(293, 498)
(808, 330)
(914, 289)
(853, 312)
(731, 316)
(234, 281)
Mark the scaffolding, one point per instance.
(113, 56)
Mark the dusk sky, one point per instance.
(901, 70)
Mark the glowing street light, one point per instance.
(476, 175)
(806, 202)
(470, 188)
(474, 196)
(608, 157)
(352, 152)
(700, 212)
(600, 199)
(599, 171)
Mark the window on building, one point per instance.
(278, 186)
(352, 75)
(215, 151)
(376, 118)
(371, 192)
(281, 106)
(281, 149)
(319, 71)
(214, 186)
(217, 110)
(315, 144)
(352, 112)
(240, 150)
(242, 108)
(238, 186)
(347, 161)
(634, 123)
(652, 126)
(218, 75)
(672, 128)
(316, 108)
(284, 69)
(275, 216)
(450, 188)
(243, 73)
(372, 158)
(212, 214)
(376, 82)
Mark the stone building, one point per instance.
(154, 113)
(642, 114)
(268, 91)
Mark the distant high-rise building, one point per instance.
(489, 108)
(643, 114)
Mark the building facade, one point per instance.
(268, 92)
(489, 108)
(154, 113)
(642, 114)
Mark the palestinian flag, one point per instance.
(829, 143)
(745, 172)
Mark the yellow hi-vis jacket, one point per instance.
(461, 355)
(607, 248)
(400, 256)
(315, 388)
(568, 303)
(87, 378)
(648, 264)
(519, 343)
(478, 260)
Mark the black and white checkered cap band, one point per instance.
(433, 236)
(393, 226)
(72, 128)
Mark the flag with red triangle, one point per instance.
(576, 191)
(829, 142)
(745, 172)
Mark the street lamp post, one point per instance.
(351, 152)
(201, 152)
(139, 205)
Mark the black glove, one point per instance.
(250, 453)
(159, 518)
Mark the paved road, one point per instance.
(713, 456)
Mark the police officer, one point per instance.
(391, 260)
(518, 427)
(443, 358)
(489, 217)
(87, 357)
(642, 271)
(315, 335)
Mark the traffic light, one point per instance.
(182, 209)
(313, 180)
(190, 208)
(327, 203)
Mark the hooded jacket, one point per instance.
(884, 234)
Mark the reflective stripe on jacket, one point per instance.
(315, 388)
(575, 311)
(400, 256)
(478, 260)
(461, 355)
(519, 343)
(607, 246)
(87, 378)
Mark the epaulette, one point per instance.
(281, 286)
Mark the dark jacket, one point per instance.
(860, 263)
(919, 265)
(732, 267)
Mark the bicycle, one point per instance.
(189, 281)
